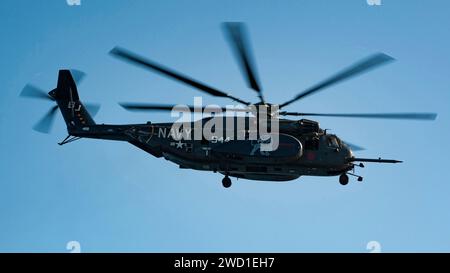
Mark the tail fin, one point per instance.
(66, 96)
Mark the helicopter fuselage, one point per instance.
(303, 149)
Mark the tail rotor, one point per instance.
(45, 124)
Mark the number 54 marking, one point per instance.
(215, 139)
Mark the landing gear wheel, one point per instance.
(226, 182)
(343, 179)
(360, 179)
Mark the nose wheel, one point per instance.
(343, 179)
(226, 182)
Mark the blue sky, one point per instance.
(110, 196)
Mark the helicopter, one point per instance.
(304, 149)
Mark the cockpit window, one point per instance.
(333, 142)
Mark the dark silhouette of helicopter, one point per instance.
(304, 148)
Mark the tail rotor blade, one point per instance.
(77, 75)
(92, 108)
(31, 91)
(44, 125)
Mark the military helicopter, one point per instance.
(304, 148)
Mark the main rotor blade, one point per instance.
(354, 70)
(413, 116)
(169, 107)
(239, 42)
(31, 91)
(141, 61)
(354, 147)
(44, 125)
